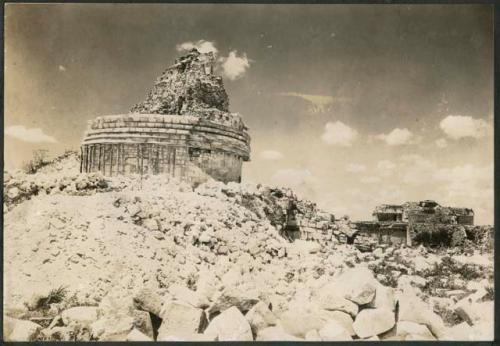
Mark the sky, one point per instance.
(350, 105)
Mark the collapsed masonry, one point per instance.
(183, 128)
(412, 223)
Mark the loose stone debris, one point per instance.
(150, 258)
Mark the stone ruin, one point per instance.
(183, 128)
(411, 223)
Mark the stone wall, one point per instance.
(441, 234)
(187, 147)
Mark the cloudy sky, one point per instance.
(351, 105)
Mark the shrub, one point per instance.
(38, 161)
(56, 295)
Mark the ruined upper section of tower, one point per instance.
(187, 87)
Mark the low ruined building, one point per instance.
(414, 223)
(183, 128)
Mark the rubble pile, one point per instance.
(61, 176)
(151, 258)
(188, 86)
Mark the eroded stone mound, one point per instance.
(187, 86)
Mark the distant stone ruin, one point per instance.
(414, 223)
(183, 128)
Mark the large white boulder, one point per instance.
(242, 298)
(136, 335)
(341, 317)
(404, 328)
(230, 325)
(81, 315)
(112, 328)
(260, 317)
(384, 298)
(149, 300)
(186, 295)
(187, 337)
(298, 322)
(312, 335)
(19, 330)
(474, 312)
(329, 299)
(355, 284)
(180, 317)
(334, 331)
(413, 309)
(275, 333)
(370, 322)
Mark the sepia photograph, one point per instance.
(248, 172)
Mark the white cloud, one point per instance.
(386, 167)
(468, 186)
(355, 168)
(460, 126)
(441, 143)
(370, 180)
(396, 137)
(234, 66)
(61, 68)
(416, 169)
(202, 46)
(318, 103)
(338, 133)
(291, 177)
(464, 175)
(271, 155)
(34, 135)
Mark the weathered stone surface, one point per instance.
(404, 328)
(187, 86)
(275, 334)
(243, 299)
(142, 322)
(384, 298)
(355, 284)
(181, 318)
(66, 333)
(474, 312)
(19, 330)
(186, 295)
(187, 337)
(260, 317)
(341, 317)
(230, 325)
(112, 327)
(334, 331)
(148, 300)
(371, 322)
(303, 247)
(81, 315)
(419, 337)
(329, 299)
(312, 335)
(413, 309)
(299, 322)
(136, 335)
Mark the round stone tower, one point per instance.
(183, 128)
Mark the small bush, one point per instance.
(56, 295)
(38, 161)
